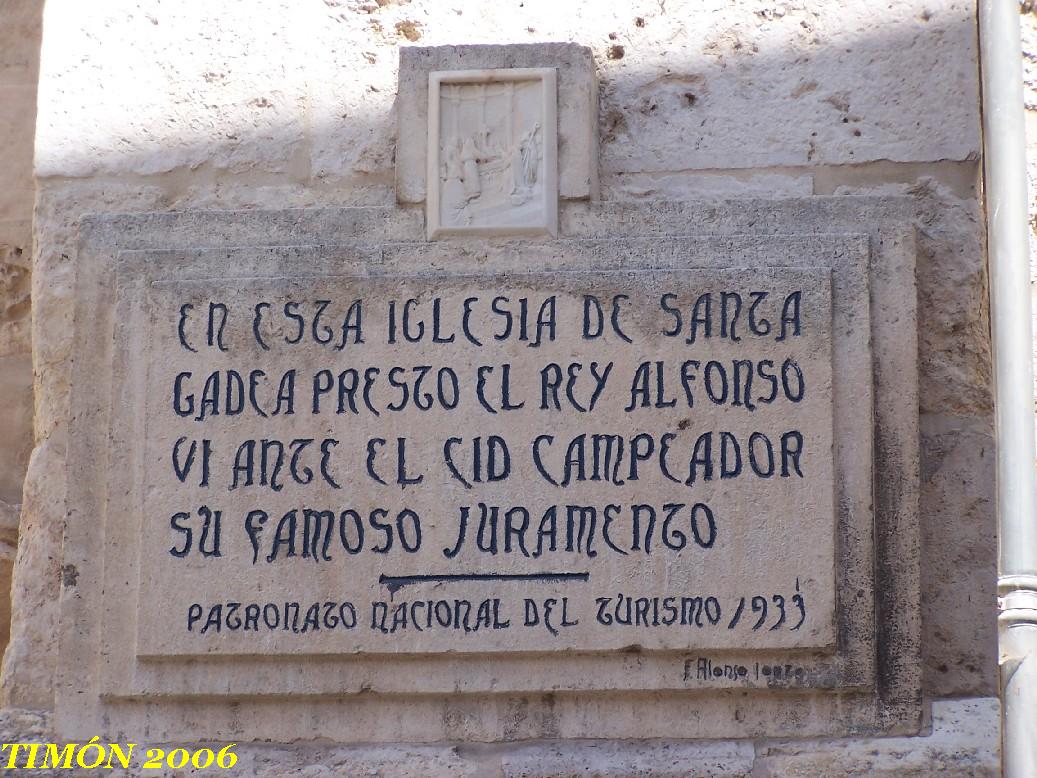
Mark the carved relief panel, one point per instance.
(492, 155)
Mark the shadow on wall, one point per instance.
(231, 108)
(303, 97)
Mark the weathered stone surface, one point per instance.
(847, 91)
(14, 301)
(954, 338)
(19, 60)
(29, 674)
(20, 54)
(15, 424)
(964, 743)
(693, 184)
(190, 61)
(676, 759)
(30, 661)
(959, 580)
(17, 119)
(391, 762)
(8, 549)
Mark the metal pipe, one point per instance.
(1004, 157)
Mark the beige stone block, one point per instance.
(398, 761)
(20, 42)
(17, 234)
(20, 725)
(9, 516)
(667, 759)
(30, 661)
(960, 600)
(954, 330)
(895, 342)
(806, 84)
(15, 424)
(964, 743)
(14, 298)
(17, 122)
(686, 185)
(222, 87)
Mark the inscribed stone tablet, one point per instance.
(565, 460)
(583, 623)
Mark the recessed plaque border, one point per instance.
(548, 126)
(182, 693)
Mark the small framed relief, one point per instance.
(492, 152)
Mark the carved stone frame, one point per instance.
(871, 685)
(549, 112)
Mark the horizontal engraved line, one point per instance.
(395, 582)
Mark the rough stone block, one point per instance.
(675, 759)
(15, 424)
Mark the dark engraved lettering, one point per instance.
(437, 335)
(343, 530)
(181, 327)
(254, 522)
(593, 318)
(615, 317)
(761, 326)
(759, 605)
(321, 333)
(257, 317)
(465, 321)
(372, 451)
(665, 303)
(402, 478)
(412, 337)
(791, 449)
(177, 523)
(701, 316)
(550, 383)
(729, 318)
(291, 311)
(182, 405)
(218, 314)
(538, 460)
(353, 323)
(790, 316)
(792, 382)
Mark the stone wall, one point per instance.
(147, 106)
(19, 73)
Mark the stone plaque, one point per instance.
(468, 463)
(415, 490)
(492, 152)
